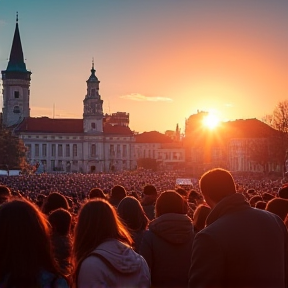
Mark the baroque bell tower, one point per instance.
(93, 105)
(16, 82)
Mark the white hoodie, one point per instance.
(122, 267)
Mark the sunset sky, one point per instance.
(159, 60)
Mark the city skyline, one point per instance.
(160, 61)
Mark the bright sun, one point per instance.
(211, 121)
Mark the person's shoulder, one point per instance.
(48, 279)
(90, 262)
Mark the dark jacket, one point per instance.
(62, 248)
(167, 247)
(240, 247)
(148, 204)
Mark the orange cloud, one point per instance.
(140, 97)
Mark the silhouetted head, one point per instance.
(54, 201)
(150, 190)
(283, 192)
(194, 197)
(96, 193)
(216, 184)
(131, 212)
(278, 206)
(199, 217)
(267, 196)
(261, 205)
(170, 202)
(60, 220)
(118, 192)
(253, 200)
(5, 193)
(181, 191)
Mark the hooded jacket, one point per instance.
(167, 247)
(117, 266)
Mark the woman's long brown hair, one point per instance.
(25, 246)
(97, 221)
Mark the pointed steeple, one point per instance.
(93, 77)
(16, 60)
(16, 85)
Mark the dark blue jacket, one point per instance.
(167, 248)
(240, 247)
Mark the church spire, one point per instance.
(16, 85)
(93, 77)
(16, 61)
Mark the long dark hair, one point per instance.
(25, 246)
(97, 221)
(131, 212)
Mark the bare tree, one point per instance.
(279, 121)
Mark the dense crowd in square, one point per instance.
(139, 229)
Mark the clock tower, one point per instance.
(93, 106)
(16, 82)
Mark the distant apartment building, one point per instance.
(240, 146)
(154, 145)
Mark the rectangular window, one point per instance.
(112, 153)
(93, 150)
(53, 165)
(118, 151)
(67, 150)
(53, 151)
(44, 150)
(28, 153)
(36, 150)
(60, 150)
(74, 150)
(60, 165)
(124, 150)
(16, 94)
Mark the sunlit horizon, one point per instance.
(230, 56)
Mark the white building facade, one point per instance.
(87, 145)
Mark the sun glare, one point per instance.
(211, 121)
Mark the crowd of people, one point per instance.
(138, 229)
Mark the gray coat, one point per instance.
(118, 266)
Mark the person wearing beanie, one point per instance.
(167, 244)
(241, 246)
(148, 200)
